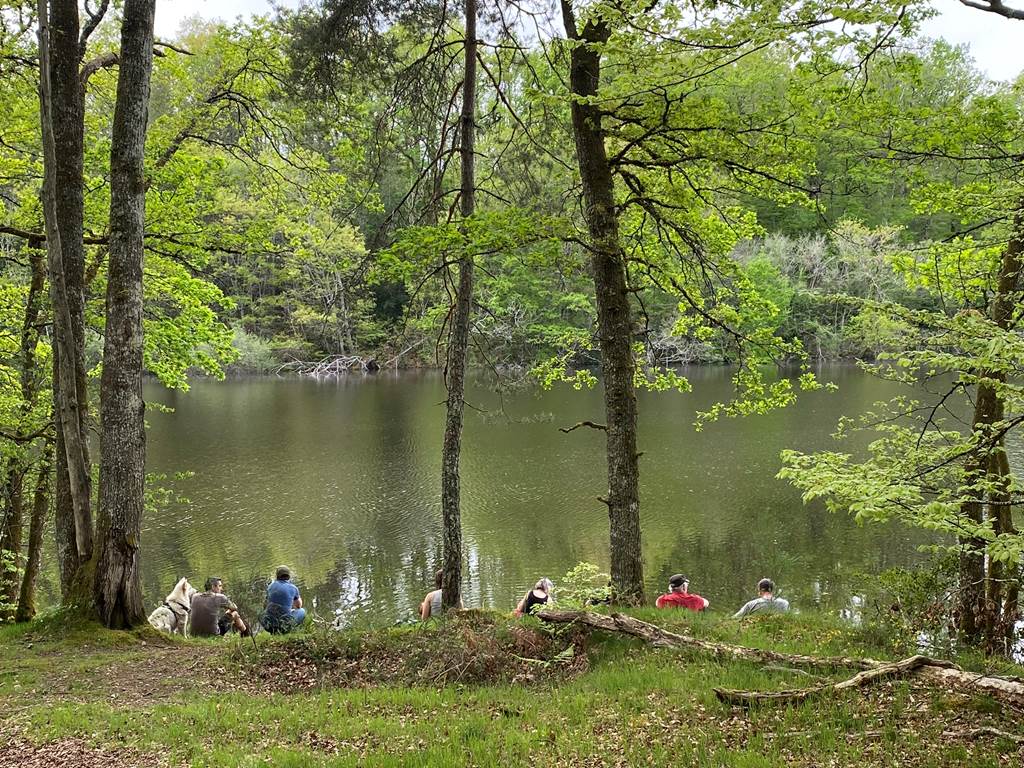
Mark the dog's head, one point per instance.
(183, 591)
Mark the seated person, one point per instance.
(766, 603)
(679, 595)
(284, 609)
(431, 605)
(213, 613)
(536, 598)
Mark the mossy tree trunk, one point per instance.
(117, 585)
(614, 317)
(458, 337)
(62, 120)
(40, 506)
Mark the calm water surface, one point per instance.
(340, 480)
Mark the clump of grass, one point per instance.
(468, 647)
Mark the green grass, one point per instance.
(632, 705)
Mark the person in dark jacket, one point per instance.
(537, 598)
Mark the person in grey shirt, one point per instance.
(213, 613)
(766, 603)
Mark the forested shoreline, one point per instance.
(259, 257)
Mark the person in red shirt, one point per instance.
(679, 595)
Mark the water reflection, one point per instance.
(340, 480)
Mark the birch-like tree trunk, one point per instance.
(118, 591)
(614, 318)
(61, 122)
(458, 338)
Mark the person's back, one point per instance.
(766, 602)
(282, 594)
(433, 601)
(537, 598)
(206, 611)
(680, 596)
(284, 609)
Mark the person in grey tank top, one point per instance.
(766, 603)
(431, 605)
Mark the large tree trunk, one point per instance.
(615, 325)
(982, 599)
(458, 337)
(62, 128)
(118, 590)
(40, 505)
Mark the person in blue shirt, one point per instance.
(284, 609)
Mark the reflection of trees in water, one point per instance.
(341, 482)
(381, 582)
(817, 559)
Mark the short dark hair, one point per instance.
(766, 585)
(439, 577)
(212, 582)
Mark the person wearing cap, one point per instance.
(767, 602)
(680, 596)
(537, 598)
(284, 609)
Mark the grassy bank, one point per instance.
(477, 690)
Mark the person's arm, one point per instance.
(297, 600)
(742, 611)
(521, 604)
(425, 609)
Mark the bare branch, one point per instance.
(994, 6)
(577, 425)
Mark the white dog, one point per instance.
(173, 615)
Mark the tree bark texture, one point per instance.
(614, 317)
(61, 121)
(458, 337)
(982, 608)
(40, 506)
(118, 590)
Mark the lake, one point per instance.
(340, 480)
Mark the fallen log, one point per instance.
(985, 730)
(866, 677)
(661, 638)
(934, 670)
